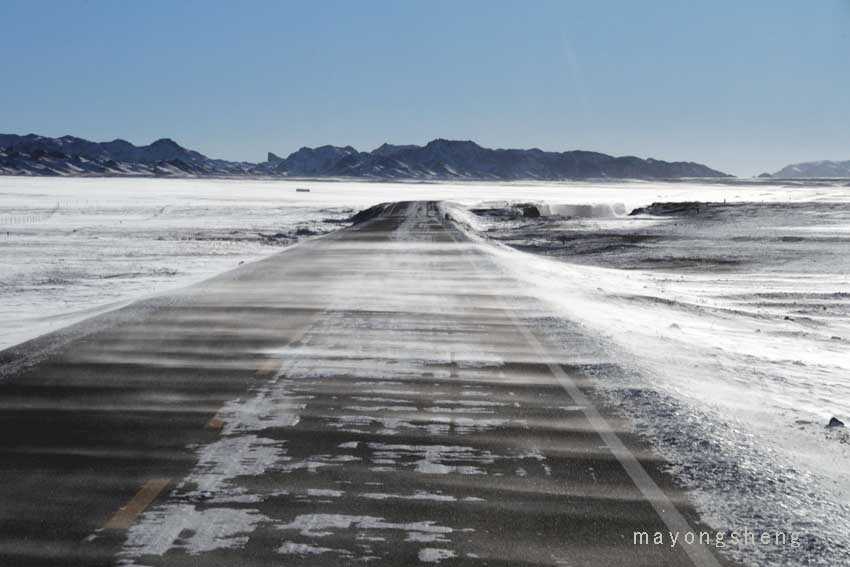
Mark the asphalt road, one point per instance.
(381, 395)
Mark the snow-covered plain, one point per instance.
(72, 247)
(736, 323)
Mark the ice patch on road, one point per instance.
(185, 527)
(433, 459)
(270, 407)
(323, 525)
(315, 462)
(324, 492)
(418, 495)
(304, 549)
(435, 555)
(221, 462)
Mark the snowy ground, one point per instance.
(736, 319)
(70, 248)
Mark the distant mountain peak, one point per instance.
(450, 143)
(386, 149)
(166, 142)
(822, 168)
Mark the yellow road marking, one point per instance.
(124, 518)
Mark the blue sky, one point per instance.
(743, 86)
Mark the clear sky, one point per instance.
(742, 85)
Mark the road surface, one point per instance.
(383, 395)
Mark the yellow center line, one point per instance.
(124, 518)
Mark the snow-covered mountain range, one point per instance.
(68, 155)
(439, 159)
